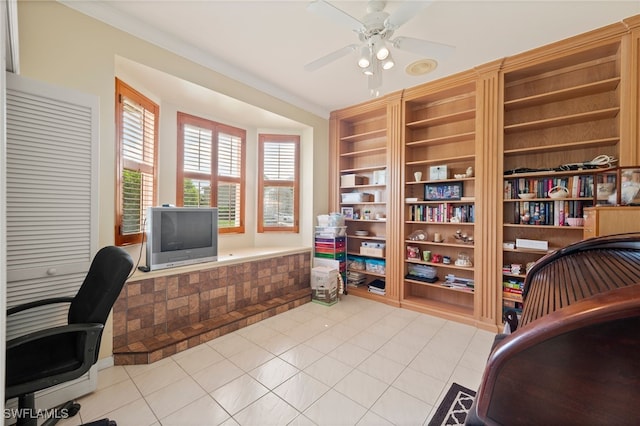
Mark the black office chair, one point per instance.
(46, 358)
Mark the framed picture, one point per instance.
(443, 191)
(347, 212)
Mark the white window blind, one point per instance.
(278, 182)
(211, 155)
(138, 145)
(229, 179)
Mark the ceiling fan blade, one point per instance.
(404, 12)
(423, 47)
(320, 62)
(334, 14)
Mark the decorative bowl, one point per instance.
(361, 233)
(558, 192)
(526, 195)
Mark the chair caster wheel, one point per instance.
(73, 409)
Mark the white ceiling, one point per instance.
(266, 44)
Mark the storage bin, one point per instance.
(330, 231)
(356, 197)
(355, 263)
(372, 251)
(352, 180)
(377, 266)
(324, 277)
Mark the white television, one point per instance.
(178, 236)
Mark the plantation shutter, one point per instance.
(52, 206)
(138, 140)
(279, 173)
(198, 144)
(229, 180)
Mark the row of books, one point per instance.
(548, 212)
(512, 288)
(444, 212)
(578, 186)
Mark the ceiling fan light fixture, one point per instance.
(368, 70)
(388, 63)
(381, 49)
(421, 67)
(363, 59)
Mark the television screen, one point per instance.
(179, 236)
(181, 231)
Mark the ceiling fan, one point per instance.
(375, 32)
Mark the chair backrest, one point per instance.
(102, 285)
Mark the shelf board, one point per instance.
(512, 298)
(562, 120)
(379, 150)
(440, 202)
(367, 237)
(439, 285)
(364, 169)
(356, 253)
(442, 140)
(442, 161)
(442, 307)
(513, 200)
(546, 173)
(364, 186)
(422, 222)
(363, 291)
(443, 119)
(563, 147)
(563, 94)
(365, 135)
(438, 181)
(459, 245)
(440, 265)
(509, 274)
(522, 225)
(529, 251)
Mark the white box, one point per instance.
(324, 277)
(356, 197)
(379, 177)
(352, 180)
(532, 244)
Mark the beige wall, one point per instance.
(66, 48)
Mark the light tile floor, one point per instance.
(357, 362)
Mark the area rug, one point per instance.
(454, 407)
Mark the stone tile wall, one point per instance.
(163, 305)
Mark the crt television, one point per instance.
(178, 236)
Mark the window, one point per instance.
(136, 159)
(212, 155)
(278, 183)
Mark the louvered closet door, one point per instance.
(52, 146)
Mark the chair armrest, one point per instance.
(528, 360)
(36, 303)
(55, 331)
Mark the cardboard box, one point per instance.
(372, 251)
(532, 244)
(356, 197)
(324, 277)
(353, 180)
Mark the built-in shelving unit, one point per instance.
(559, 115)
(440, 145)
(512, 123)
(361, 149)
